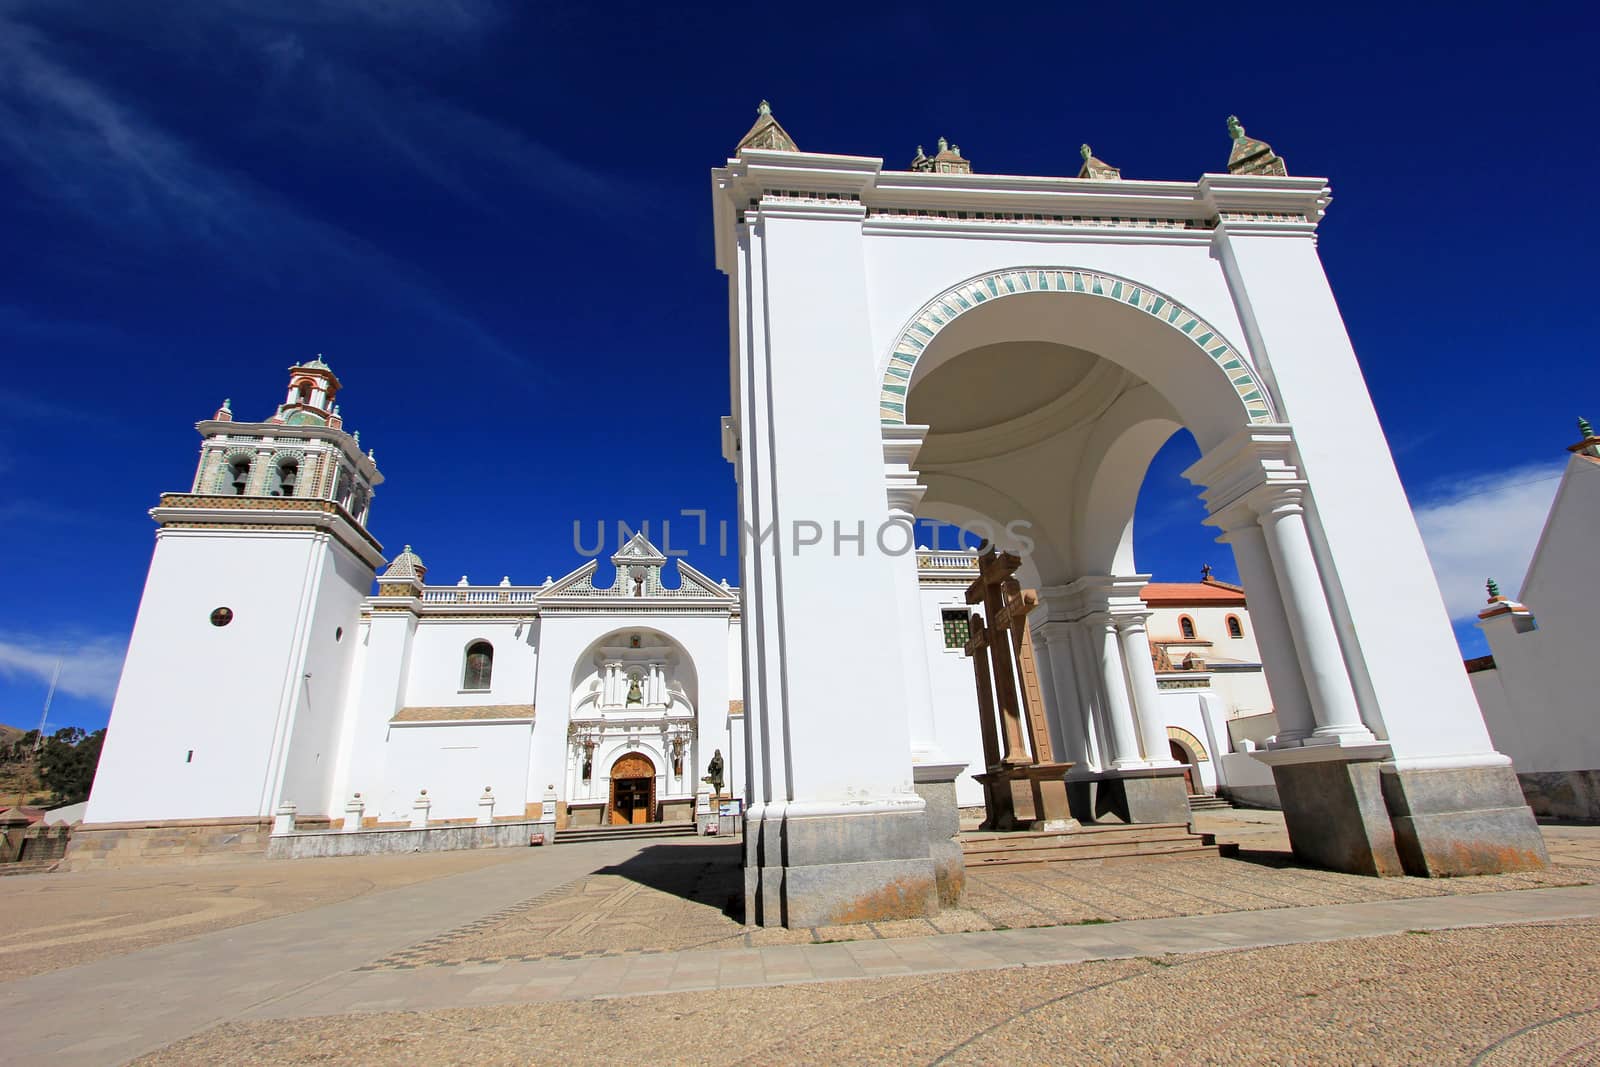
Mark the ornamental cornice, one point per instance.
(1233, 203)
(282, 514)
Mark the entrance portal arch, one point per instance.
(633, 790)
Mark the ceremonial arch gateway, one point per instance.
(1012, 351)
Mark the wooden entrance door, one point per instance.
(633, 790)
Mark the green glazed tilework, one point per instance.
(948, 306)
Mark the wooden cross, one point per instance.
(994, 570)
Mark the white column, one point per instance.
(1055, 638)
(900, 446)
(1333, 701)
(1243, 533)
(1114, 683)
(1086, 673)
(1146, 693)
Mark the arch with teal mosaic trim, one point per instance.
(956, 301)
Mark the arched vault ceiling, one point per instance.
(996, 383)
(1033, 392)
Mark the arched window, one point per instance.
(239, 476)
(1235, 627)
(303, 392)
(479, 666)
(1186, 626)
(285, 475)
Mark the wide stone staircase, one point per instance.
(1140, 841)
(576, 835)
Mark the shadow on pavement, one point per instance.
(705, 874)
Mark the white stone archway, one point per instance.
(852, 288)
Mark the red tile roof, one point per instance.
(1209, 593)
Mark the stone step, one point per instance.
(579, 834)
(1207, 802)
(1069, 845)
(1093, 831)
(1125, 850)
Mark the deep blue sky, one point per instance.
(493, 220)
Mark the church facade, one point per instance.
(280, 665)
(265, 676)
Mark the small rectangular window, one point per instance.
(957, 628)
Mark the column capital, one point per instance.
(1246, 462)
(900, 447)
(1093, 595)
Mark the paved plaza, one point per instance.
(622, 950)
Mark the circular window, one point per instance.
(222, 617)
(338, 633)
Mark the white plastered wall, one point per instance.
(203, 713)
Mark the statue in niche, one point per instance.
(634, 694)
(677, 757)
(588, 764)
(713, 776)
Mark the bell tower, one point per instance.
(232, 691)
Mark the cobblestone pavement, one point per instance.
(60, 920)
(1505, 995)
(679, 895)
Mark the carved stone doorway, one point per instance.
(633, 790)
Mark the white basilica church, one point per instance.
(1005, 352)
(605, 703)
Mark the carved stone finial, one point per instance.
(947, 160)
(766, 133)
(1098, 169)
(1494, 589)
(1252, 156)
(227, 405)
(1583, 426)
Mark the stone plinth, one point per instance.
(1353, 810)
(936, 785)
(304, 845)
(1461, 820)
(1132, 795)
(141, 844)
(820, 864)
(1333, 807)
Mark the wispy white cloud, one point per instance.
(90, 664)
(1485, 527)
(72, 142)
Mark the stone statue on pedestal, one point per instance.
(713, 776)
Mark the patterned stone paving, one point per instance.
(684, 896)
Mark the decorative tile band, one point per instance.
(1032, 219)
(955, 302)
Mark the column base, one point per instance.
(1333, 808)
(1130, 795)
(1352, 809)
(936, 785)
(1453, 821)
(820, 865)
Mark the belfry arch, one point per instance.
(945, 343)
